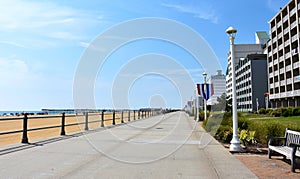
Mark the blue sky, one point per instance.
(42, 43)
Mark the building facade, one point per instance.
(251, 82)
(240, 51)
(283, 57)
(219, 83)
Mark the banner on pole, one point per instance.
(205, 90)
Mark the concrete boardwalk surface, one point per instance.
(167, 146)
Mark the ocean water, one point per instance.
(15, 113)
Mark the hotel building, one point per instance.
(219, 83)
(283, 57)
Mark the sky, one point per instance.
(144, 52)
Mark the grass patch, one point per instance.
(262, 124)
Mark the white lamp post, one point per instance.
(204, 75)
(235, 144)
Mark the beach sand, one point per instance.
(45, 121)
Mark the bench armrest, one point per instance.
(271, 139)
(294, 145)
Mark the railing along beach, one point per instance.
(83, 119)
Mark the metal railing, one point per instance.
(130, 115)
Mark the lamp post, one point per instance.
(235, 144)
(205, 109)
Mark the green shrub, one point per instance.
(262, 111)
(276, 112)
(224, 133)
(287, 112)
(201, 115)
(247, 137)
(269, 111)
(296, 112)
(243, 123)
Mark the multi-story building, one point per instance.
(240, 51)
(251, 82)
(283, 57)
(251, 74)
(219, 83)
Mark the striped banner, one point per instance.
(206, 91)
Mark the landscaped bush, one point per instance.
(276, 112)
(269, 111)
(296, 112)
(201, 114)
(287, 112)
(262, 111)
(224, 133)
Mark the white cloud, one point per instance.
(202, 11)
(38, 19)
(13, 44)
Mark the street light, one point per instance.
(204, 75)
(235, 144)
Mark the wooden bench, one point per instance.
(290, 147)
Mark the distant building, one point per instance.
(240, 51)
(283, 57)
(219, 83)
(251, 82)
(251, 74)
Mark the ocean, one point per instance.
(15, 113)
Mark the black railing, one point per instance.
(142, 113)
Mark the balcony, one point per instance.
(281, 58)
(271, 75)
(279, 24)
(283, 94)
(276, 84)
(295, 65)
(275, 62)
(297, 92)
(279, 35)
(296, 79)
(272, 85)
(289, 93)
(294, 24)
(276, 73)
(274, 50)
(292, 12)
(270, 54)
(288, 68)
(289, 81)
(286, 43)
(285, 18)
(286, 30)
(294, 38)
(282, 83)
(280, 47)
(273, 28)
(281, 70)
(287, 55)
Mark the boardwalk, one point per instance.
(166, 146)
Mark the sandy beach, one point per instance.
(45, 120)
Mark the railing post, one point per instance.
(122, 120)
(86, 121)
(134, 115)
(25, 137)
(128, 116)
(102, 118)
(63, 124)
(114, 118)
